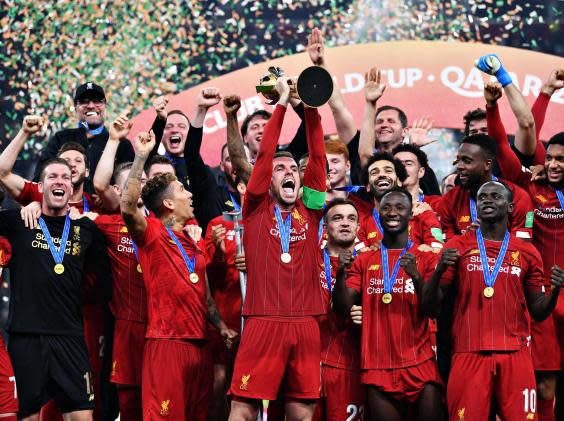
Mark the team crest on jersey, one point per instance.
(165, 408)
(460, 412)
(296, 215)
(374, 267)
(123, 230)
(76, 236)
(465, 218)
(245, 381)
(541, 198)
(515, 258)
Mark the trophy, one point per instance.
(314, 86)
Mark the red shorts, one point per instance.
(558, 318)
(342, 395)
(95, 318)
(477, 376)
(403, 384)
(220, 354)
(177, 380)
(545, 347)
(8, 394)
(278, 354)
(127, 353)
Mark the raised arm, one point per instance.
(373, 90)
(13, 183)
(508, 161)
(235, 145)
(132, 215)
(316, 173)
(119, 129)
(344, 121)
(259, 182)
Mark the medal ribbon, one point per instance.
(327, 266)
(560, 198)
(135, 250)
(490, 277)
(376, 217)
(190, 263)
(284, 228)
(389, 281)
(235, 204)
(421, 197)
(320, 229)
(85, 206)
(93, 132)
(348, 189)
(57, 253)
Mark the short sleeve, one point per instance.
(151, 232)
(30, 193)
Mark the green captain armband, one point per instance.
(313, 199)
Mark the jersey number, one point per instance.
(530, 396)
(353, 411)
(102, 342)
(88, 379)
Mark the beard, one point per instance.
(79, 181)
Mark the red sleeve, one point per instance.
(521, 222)
(534, 278)
(539, 112)
(261, 175)
(30, 193)
(429, 230)
(315, 175)
(508, 161)
(354, 274)
(151, 232)
(426, 264)
(215, 269)
(445, 210)
(5, 252)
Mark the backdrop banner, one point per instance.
(424, 78)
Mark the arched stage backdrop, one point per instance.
(424, 78)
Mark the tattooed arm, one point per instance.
(215, 318)
(133, 215)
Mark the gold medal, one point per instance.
(59, 269)
(488, 292)
(387, 298)
(139, 268)
(194, 278)
(285, 257)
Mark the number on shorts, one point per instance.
(88, 379)
(353, 411)
(530, 396)
(102, 342)
(13, 379)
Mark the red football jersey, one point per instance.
(129, 299)
(223, 276)
(275, 288)
(5, 252)
(454, 212)
(499, 323)
(424, 228)
(433, 200)
(176, 306)
(30, 193)
(340, 338)
(394, 335)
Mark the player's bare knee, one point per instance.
(243, 411)
(85, 415)
(546, 387)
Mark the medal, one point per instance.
(490, 277)
(284, 228)
(190, 262)
(136, 256)
(57, 253)
(389, 281)
(139, 268)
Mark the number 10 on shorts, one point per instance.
(530, 400)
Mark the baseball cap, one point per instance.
(90, 89)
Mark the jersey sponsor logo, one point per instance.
(374, 267)
(460, 412)
(409, 287)
(165, 408)
(245, 381)
(464, 218)
(550, 213)
(376, 286)
(475, 264)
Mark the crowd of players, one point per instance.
(359, 292)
